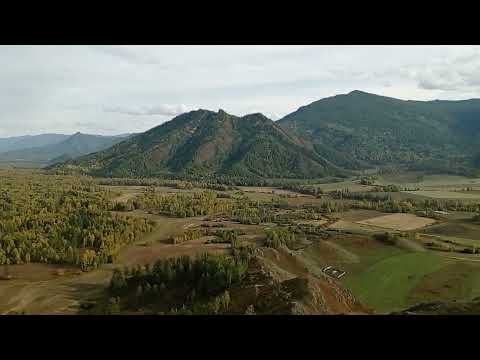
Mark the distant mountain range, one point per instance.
(56, 148)
(333, 136)
(29, 141)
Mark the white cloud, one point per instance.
(99, 89)
(460, 73)
(164, 109)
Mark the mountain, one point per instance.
(208, 143)
(361, 130)
(29, 141)
(72, 147)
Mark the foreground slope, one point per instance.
(444, 308)
(208, 143)
(360, 130)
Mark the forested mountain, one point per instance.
(29, 141)
(331, 136)
(206, 143)
(361, 130)
(72, 147)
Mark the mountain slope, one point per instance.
(74, 146)
(454, 307)
(207, 143)
(29, 141)
(361, 130)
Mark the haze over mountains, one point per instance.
(332, 136)
(29, 141)
(51, 148)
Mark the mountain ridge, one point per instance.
(335, 135)
(360, 130)
(209, 143)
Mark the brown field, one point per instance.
(355, 227)
(358, 214)
(54, 289)
(149, 254)
(36, 290)
(125, 197)
(37, 272)
(402, 222)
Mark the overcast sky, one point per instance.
(118, 89)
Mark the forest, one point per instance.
(181, 285)
(61, 220)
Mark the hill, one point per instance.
(361, 130)
(72, 147)
(29, 141)
(207, 143)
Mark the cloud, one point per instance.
(87, 125)
(461, 73)
(137, 55)
(98, 89)
(164, 109)
(436, 83)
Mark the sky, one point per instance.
(119, 89)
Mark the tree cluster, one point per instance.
(61, 220)
(168, 283)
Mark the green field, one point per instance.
(386, 285)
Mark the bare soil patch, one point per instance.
(358, 214)
(402, 222)
(148, 255)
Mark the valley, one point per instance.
(320, 212)
(393, 257)
(174, 180)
